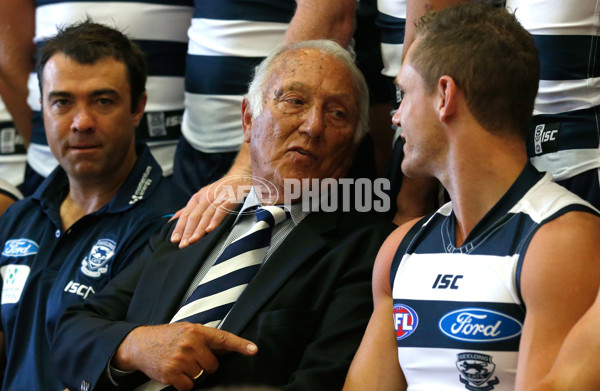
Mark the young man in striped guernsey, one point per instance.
(481, 294)
(159, 27)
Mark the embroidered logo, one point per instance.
(545, 138)
(20, 248)
(405, 321)
(96, 262)
(476, 369)
(142, 186)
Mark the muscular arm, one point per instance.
(574, 369)
(375, 365)
(560, 279)
(417, 8)
(316, 19)
(17, 27)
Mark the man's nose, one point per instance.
(396, 117)
(314, 122)
(83, 120)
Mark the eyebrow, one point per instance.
(95, 93)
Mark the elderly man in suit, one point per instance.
(307, 306)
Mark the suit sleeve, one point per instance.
(327, 357)
(88, 334)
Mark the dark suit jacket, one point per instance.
(306, 309)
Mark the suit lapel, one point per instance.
(297, 248)
(175, 269)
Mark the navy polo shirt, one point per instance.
(45, 269)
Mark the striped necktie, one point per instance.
(225, 281)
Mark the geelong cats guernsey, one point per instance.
(458, 311)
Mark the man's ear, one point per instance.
(447, 93)
(246, 120)
(139, 110)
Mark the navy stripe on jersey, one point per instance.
(278, 11)
(567, 57)
(392, 28)
(40, 3)
(574, 130)
(163, 58)
(432, 332)
(220, 75)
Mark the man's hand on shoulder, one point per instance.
(176, 353)
(209, 206)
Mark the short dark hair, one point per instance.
(87, 42)
(491, 58)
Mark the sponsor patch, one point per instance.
(96, 262)
(20, 248)
(405, 321)
(545, 138)
(476, 370)
(479, 325)
(14, 278)
(142, 186)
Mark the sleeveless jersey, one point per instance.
(159, 27)
(458, 311)
(12, 149)
(565, 135)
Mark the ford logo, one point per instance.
(479, 325)
(20, 248)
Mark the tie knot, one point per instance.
(272, 215)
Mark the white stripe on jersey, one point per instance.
(215, 131)
(477, 272)
(558, 17)
(559, 96)
(432, 365)
(160, 22)
(392, 58)
(238, 38)
(395, 8)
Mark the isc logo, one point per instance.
(405, 321)
(79, 289)
(445, 281)
(549, 135)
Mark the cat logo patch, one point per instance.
(476, 369)
(96, 262)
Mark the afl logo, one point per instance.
(479, 325)
(405, 321)
(96, 262)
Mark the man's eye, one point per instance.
(339, 114)
(60, 102)
(294, 101)
(399, 95)
(104, 101)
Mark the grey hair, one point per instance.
(258, 85)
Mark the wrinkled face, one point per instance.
(310, 113)
(87, 116)
(417, 117)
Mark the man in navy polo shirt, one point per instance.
(91, 215)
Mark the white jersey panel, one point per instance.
(212, 37)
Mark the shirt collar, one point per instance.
(141, 181)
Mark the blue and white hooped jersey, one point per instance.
(565, 136)
(159, 27)
(228, 39)
(12, 149)
(458, 311)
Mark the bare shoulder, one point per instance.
(383, 262)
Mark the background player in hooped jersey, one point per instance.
(159, 27)
(481, 294)
(90, 216)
